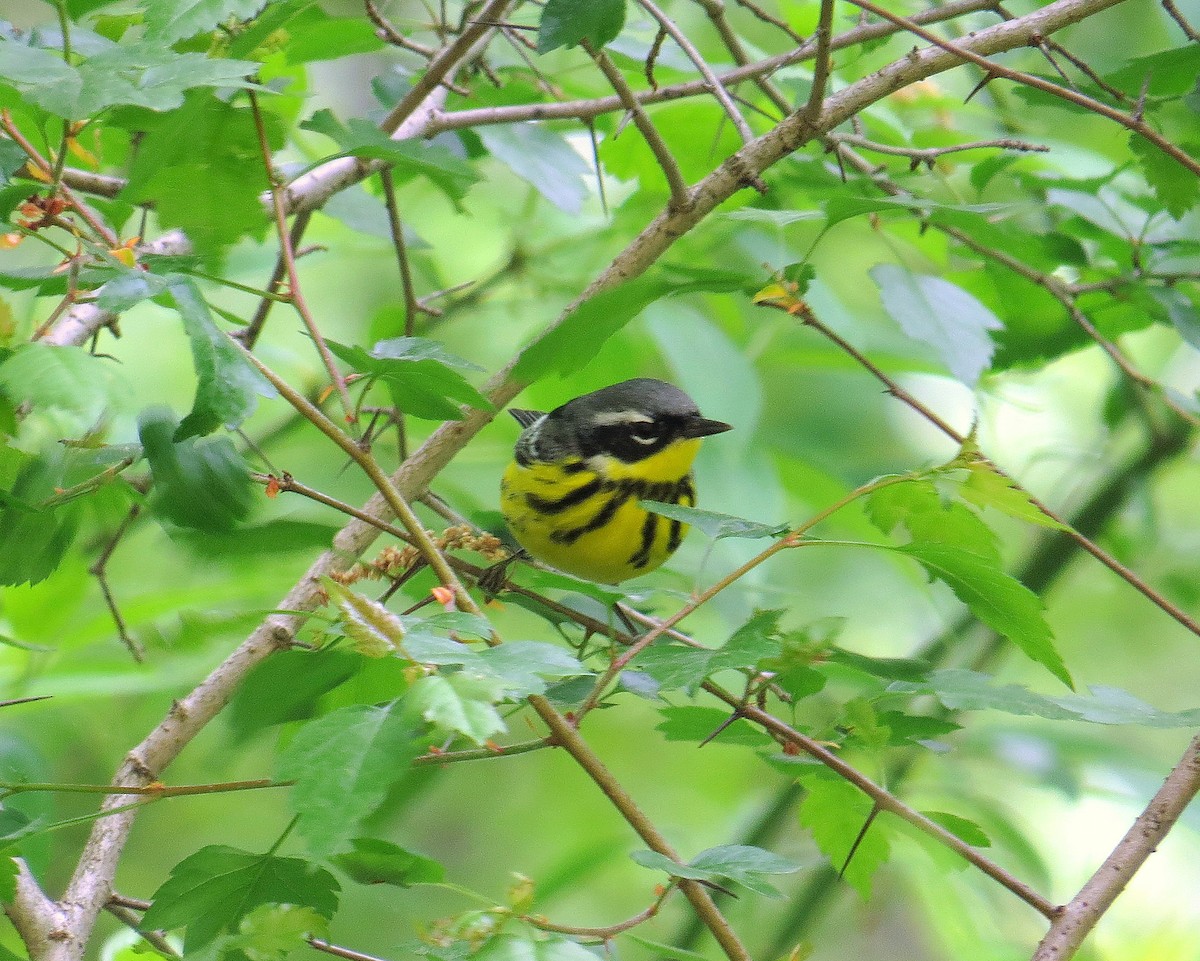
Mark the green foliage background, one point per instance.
(507, 220)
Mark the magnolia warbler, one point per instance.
(570, 495)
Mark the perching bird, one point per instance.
(570, 495)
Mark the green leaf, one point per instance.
(987, 487)
(286, 687)
(523, 944)
(960, 827)
(942, 315)
(374, 861)
(374, 630)
(344, 764)
(460, 704)
(1182, 313)
(542, 157)
(692, 723)
(842, 207)
(743, 864)
(69, 378)
(573, 341)
(409, 158)
(202, 485)
(144, 74)
(565, 23)
(674, 667)
(714, 524)
(835, 812)
(517, 668)
(213, 889)
(962, 690)
(272, 931)
(171, 20)
(919, 507)
(34, 540)
(1176, 187)
(420, 374)
(8, 879)
(227, 384)
(997, 598)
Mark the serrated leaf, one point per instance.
(460, 704)
(963, 690)
(420, 374)
(227, 384)
(375, 861)
(997, 598)
(570, 344)
(343, 765)
(714, 524)
(565, 23)
(962, 828)
(211, 890)
(691, 723)
(942, 315)
(675, 667)
(203, 485)
(1176, 187)
(543, 158)
(171, 20)
(33, 539)
(743, 864)
(272, 931)
(918, 506)
(835, 812)
(374, 630)
(987, 487)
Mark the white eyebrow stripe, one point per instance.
(607, 417)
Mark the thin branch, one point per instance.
(1188, 30)
(718, 89)
(680, 198)
(894, 388)
(390, 34)
(288, 254)
(606, 933)
(412, 306)
(929, 155)
(156, 939)
(99, 570)
(1131, 122)
(886, 801)
(1080, 915)
(249, 334)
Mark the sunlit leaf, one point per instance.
(565, 23)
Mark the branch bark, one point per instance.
(1078, 917)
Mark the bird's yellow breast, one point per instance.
(582, 515)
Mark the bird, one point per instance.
(571, 494)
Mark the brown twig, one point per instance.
(680, 198)
(287, 254)
(99, 570)
(1074, 920)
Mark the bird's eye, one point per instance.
(645, 433)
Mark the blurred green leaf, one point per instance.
(286, 687)
(420, 374)
(744, 864)
(171, 20)
(565, 23)
(70, 378)
(460, 704)
(962, 828)
(570, 344)
(714, 524)
(272, 931)
(374, 861)
(962, 690)
(544, 158)
(942, 315)
(203, 485)
(343, 765)
(227, 384)
(835, 812)
(210, 891)
(1176, 187)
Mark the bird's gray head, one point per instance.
(630, 421)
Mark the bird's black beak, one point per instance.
(702, 427)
